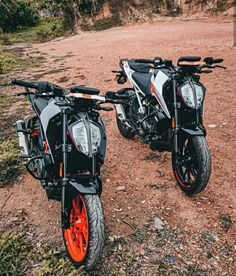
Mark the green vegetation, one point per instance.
(8, 62)
(16, 14)
(10, 165)
(101, 24)
(43, 20)
(46, 30)
(14, 254)
(17, 256)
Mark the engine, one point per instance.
(148, 121)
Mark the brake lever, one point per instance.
(25, 94)
(106, 108)
(219, 66)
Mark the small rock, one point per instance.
(158, 223)
(212, 126)
(142, 252)
(120, 188)
(118, 210)
(215, 237)
(143, 201)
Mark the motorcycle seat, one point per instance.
(139, 67)
(143, 80)
(84, 90)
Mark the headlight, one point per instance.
(187, 95)
(83, 136)
(199, 94)
(192, 98)
(95, 137)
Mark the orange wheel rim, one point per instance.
(77, 236)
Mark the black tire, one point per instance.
(192, 175)
(125, 131)
(96, 234)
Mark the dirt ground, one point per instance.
(149, 185)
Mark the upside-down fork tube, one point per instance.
(176, 122)
(65, 179)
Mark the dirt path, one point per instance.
(150, 189)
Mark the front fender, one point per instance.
(193, 132)
(90, 186)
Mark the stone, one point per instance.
(158, 223)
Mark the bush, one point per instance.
(16, 14)
(49, 30)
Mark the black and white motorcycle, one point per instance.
(64, 146)
(165, 108)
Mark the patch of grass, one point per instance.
(225, 221)
(166, 235)
(15, 254)
(10, 165)
(18, 256)
(101, 24)
(6, 101)
(139, 236)
(8, 62)
(5, 39)
(4, 81)
(44, 31)
(53, 262)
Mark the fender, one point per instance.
(90, 185)
(193, 132)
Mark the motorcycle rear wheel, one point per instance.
(84, 239)
(192, 170)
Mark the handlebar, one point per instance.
(41, 87)
(26, 84)
(211, 60)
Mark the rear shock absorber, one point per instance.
(23, 139)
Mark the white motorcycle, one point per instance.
(164, 107)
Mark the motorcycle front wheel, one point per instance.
(192, 166)
(84, 239)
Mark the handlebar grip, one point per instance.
(144, 60)
(25, 84)
(114, 96)
(217, 60)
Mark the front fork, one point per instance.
(65, 179)
(175, 122)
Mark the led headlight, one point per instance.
(83, 136)
(188, 95)
(80, 137)
(95, 137)
(199, 95)
(192, 97)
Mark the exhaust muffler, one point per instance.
(121, 114)
(23, 138)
